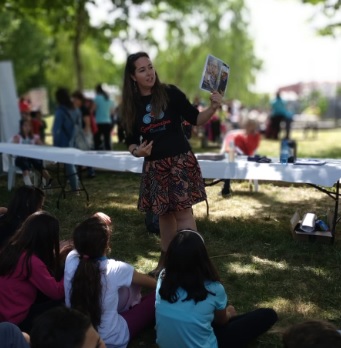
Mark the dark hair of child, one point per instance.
(38, 235)
(21, 130)
(25, 201)
(60, 327)
(91, 240)
(187, 265)
(312, 334)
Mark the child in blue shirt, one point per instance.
(192, 306)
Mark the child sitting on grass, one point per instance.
(30, 271)
(26, 136)
(106, 289)
(246, 142)
(192, 307)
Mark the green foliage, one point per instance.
(26, 45)
(74, 52)
(331, 10)
(315, 98)
(222, 32)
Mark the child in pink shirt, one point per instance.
(30, 274)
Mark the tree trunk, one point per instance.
(80, 22)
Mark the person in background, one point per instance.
(63, 130)
(171, 181)
(106, 289)
(38, 125)
(12, 337)
(312, 334)
(56, 328)
(30, 264)
(64, 327)
(25, 201)
(24, 106)
(192, 307)
(118, 121)
(103, 109)
(25, 136)
(246, 142)
(80, 102)
(279, 113)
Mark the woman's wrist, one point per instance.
(134, 152)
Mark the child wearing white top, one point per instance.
(106, 289)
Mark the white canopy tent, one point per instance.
(9, 108)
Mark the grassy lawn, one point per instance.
(248, 237)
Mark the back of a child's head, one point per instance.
(91, 236)
(251, 125)
(25, 201)
(39, 236)
(39, 229)
(312, 334)
(91, 241)
(187, 265)
(186, 252)
(60, 327)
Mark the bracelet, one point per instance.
(133, 152)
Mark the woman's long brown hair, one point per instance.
(131, 94)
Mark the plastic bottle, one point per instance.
(322, 225)
(231, 151)
(284, 154)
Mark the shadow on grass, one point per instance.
(247, 236)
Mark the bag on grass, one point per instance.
(82, 141)
(152, 222)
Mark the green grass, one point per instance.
(248, 237)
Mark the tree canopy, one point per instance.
(56, 43)
(331, 9)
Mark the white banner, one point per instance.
(9, 108)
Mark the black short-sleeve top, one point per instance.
(165, 129)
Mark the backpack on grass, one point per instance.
(152, 222)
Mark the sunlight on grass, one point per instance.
(305, 308)
(317, 271)
(239, 268)
(248, 237)
(273, 264)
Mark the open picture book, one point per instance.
(215, 75)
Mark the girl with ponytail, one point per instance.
(105, 289)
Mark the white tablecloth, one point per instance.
(324, 175)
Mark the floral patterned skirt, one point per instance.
(171, 184)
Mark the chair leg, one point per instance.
(11, 174)
(253, 185)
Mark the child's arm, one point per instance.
(16, 139)
(143, 280)
(224, 315)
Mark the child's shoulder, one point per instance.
(214, 285)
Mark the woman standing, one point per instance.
(103, 109)
(152, 113)
(66, 117)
